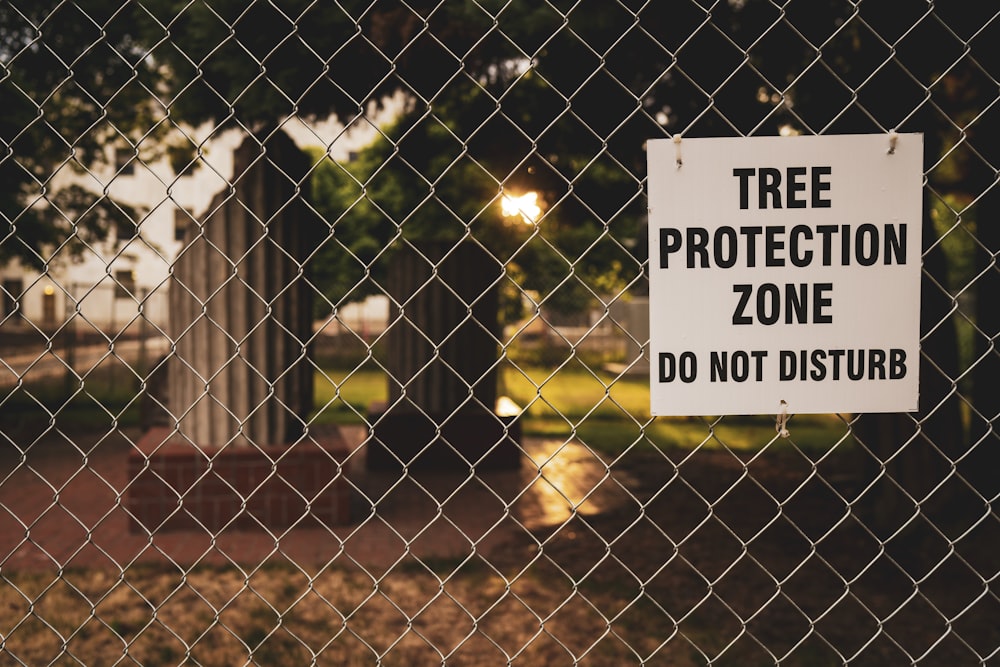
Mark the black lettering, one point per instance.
(827, 232)
(697, 243)
(895, 246)
(769, 187)
(819, 365)
(689, 367)
(820, 186)
(818, 371)
(805, 257)
(670, 242)
(741, 366)
(855, 364)
(897, 364)
(668, 367)
(787, 365)
(876, 364)
(836, 355)
(758, 357)
(769, 183)
(744, 176)
(739, 315)
(772, 245)
(867, 250)
(719, 366)
(672, 367)
(725, 261)
(793, 186)
(737, 366)
(768, 294)
(797, 304)
(751, 234)
(820, 301)
(845, 245)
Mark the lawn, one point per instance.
(102, 398)
(605, 411)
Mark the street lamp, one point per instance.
(525, 205)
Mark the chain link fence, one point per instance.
(370, 386)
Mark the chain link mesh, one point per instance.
(388, 404)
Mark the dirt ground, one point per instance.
(658, 557)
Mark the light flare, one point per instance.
(525, 205)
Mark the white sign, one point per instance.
(785, 269)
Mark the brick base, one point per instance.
(178, 486)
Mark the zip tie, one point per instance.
(781, 423)
(893, 138)
(677, 144)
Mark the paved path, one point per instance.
(61, 505)
(40, 364)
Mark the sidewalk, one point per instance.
(62, 507)
(41, 364)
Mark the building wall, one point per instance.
(112, 283)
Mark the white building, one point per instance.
(114, 281)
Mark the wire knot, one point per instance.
(781, 422)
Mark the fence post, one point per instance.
(69, 352)
(142, 362)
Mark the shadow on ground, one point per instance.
(673, 557)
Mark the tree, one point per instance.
(72, 82)
(418, 181)
(556, 97)
(559, 97)
(873, 67)
(233, 64)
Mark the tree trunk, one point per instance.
(981, 467)
(240, 311)
(908, 454)
(442, 362)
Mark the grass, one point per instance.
(608, 606)
(340, 616)
(342, 395)
(104, 398)
(607, 412)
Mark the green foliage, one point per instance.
(343, 395)
(60, 227)
(441, 176)
(71, 81)
(356, 235)
(553, 97)
(608, 413)
(254, 64)
(103, 399)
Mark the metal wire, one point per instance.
(280, 326)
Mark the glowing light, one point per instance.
(525, 205)
(49, 290)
